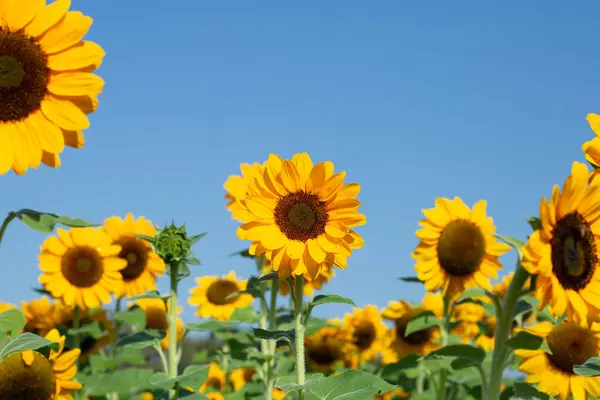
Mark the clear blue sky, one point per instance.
(413, 99)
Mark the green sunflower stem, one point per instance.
(272, 345)
(172, 326)
(504, 318)
(444, 342)
(76, 326)
(299, 330)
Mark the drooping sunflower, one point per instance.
(143, 264)
(241, 376)
(156, 318)
(457, 249)
(39, 316)
(237, 190)
(328, 348)
(300, 216)
(30, 375)
(216, 379)
(211, 296)
(368, 331)
(563, 252)
(571, 343)
(46, 86)
(81, 267)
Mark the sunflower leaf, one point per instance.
(242, 253)
(410, 279)
(329, 298)
(136, 318)
(269, 277)
(512, 242)
(421, 322)
(527, 341)
(349, 385)
(473, 292)
(123, 382)
(92, 329)
(535, 223)
(525, 304)
(12, 321)
(46, 222)
(591, 368)
(391, 371)
(149, 239)
(474, 354)
(211, 325)
(524, 390)
(192, 261)
(42, 291)
(25, 341)
(138, 340)
(246, 314)
(193, 376)
(288, 383)
(254, 292)
(275, 335)
(152, 294)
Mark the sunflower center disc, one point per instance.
(461, 248)
(26, 382)
(82, 266)
(301, 216)
(156, 318)
(324, 353)
(571, 345)
(214, 382)
(573, 252)
(218, 292)
(364, 335)
(24, 76)
(415, 338)
(136, 253)
(249, 374)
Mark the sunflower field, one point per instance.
(99, 329)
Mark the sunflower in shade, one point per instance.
(156, 318)
(571, 343)
(368, 332)
(143, 264)
(564, 253)
(299, 215)
(457, 248)
(39, 316)
(46, 86)
(241, 376)
(81, 267)
(328, 348)
(213, 297)
(31, 375)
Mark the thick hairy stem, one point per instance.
(443, 342)
(299, 330)
(172, 326)
(270, 381)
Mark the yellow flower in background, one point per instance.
(39, 316)
(278, 394)
(564, 252)
(30, 375)
(214, 396)
(156, 318)
(488, 335)
(237, 190)
(328, 348)
(309, 286)
(81, 267)
(394, 393)
(368, 331)
(46, 88)
(5, 306)
(241, 376)
(468, 315)
(501, 287)
(571, 344)
(457, 249)
(301, 216)
(143, 264)
(216, 379)
(211, 296)
(591, 148)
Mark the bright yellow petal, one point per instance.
(68, 32)
(47, 17)
(75, 84)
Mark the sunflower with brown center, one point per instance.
(143, 264)
(214, 299)
(300, 216)
(563, 252)
(457, 248)
(81, 267)
(156, 318)
(241, 376)
(368, 332)
(328, 348)
(571, 343)
(46, 82)
(38, 316)
(216, 379)
(29, 375)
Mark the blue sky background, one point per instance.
(413, 99)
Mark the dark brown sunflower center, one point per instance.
(301, 216)
(156, 318)
(26, 382)
(461, 248)
(415, 338)
(249, 374)
(219, 290)
(573, 252)
(325, 352)
(136, 253)
(364, 335)
(490, 328)
(24, 76)
(213, 382)
(82, 266)
(571, 345)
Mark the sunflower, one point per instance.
(368, 331)
(241, 376)
(592, 147)
(5, 307)
(457, 249)
(237, 190)
(216, 379)
(156, 318)
(309, 285)
(300, 216)
(143, 264)
(563, 252)
(571, 343)
(467, 316)
(81, 267)
(501, 288)
(46, 84)
(30, 375)
(278, 394)
(394, 393)
(39, 316)
(328, 348)
(487, 335)
(211, 296)
(214, 396)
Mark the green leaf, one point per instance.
(288, 383)
(195, 238)
(148, 239)
(474, 354)
(92, 329)
(124, 355)
(12, 321)
(211, 325)
(314, 325)
(527, 341)
(42, 291)
(247, 315)
(193, 376)
(25, 341)
(46, 222)
(254, 292)
(152, 294)
(535, 223)
(423, 321)
(512, 242)
(329, 298)
(192, 261)
(410, 279)
(525, 304)
(524, 390)
(269, 277)
(391, 372)
(473, 292)
(590, 368)
(123, 382)
(139, 340)
(136, 318)
(274, 335)
(349, 385)
(242, 253)
(162, 380)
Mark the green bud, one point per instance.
(173, 244)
